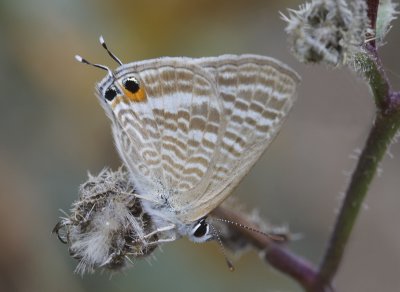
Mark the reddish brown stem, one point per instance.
(372, 14)
(274, 253)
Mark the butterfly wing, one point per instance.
(256, 93)
(168, 140)
(200, 128)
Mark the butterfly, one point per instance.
(188, 130)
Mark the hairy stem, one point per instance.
(385, 127)
(370, 65)
(380, 137)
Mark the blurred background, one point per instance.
(53, 131)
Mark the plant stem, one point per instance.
(372, 14)
(385, 127)
(371, 66)
(380, 137)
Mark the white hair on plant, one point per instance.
(107, 224)
(386, 14)
(327, 31)
(94, 245)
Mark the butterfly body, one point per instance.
(187, 130)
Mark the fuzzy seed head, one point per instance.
(107, 226)
(327, 31)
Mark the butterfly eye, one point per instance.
(131, 84)
(200, 229)
(110, 93)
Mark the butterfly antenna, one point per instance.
(104, 45)
(271, 236)
(228, 262)
(84, 61)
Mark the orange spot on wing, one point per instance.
(128, 97)
(138, 96)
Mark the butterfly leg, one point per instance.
(162, 240)
(162, 229)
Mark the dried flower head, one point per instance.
(107, 225)
(327, 31)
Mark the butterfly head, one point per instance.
(114, 90)
(117, 87)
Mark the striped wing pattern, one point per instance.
(169, 142)
(203, 126)
(257, 93)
